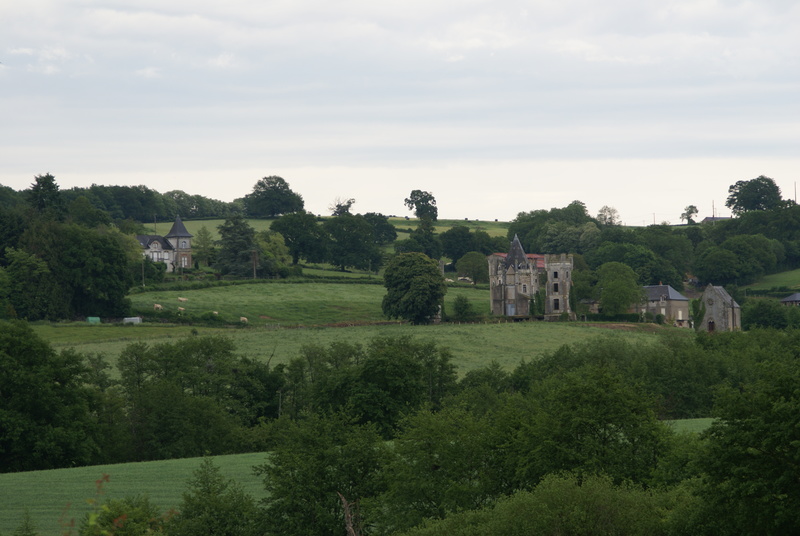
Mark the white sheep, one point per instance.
(158, 307)
(183, 299)
(243, 319)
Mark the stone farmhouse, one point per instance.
(173, 249)
(515, 279)
(665, 300)
(722, 311)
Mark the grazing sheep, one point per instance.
(243, 319)
(183, 299)
(215, 312)
(181, 309)
(158, 307)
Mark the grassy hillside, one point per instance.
(306, 303)
(62, 494)
(494, 228)
(473, 345)
(790, 279)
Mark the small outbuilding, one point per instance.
(793, 300)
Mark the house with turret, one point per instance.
(173, 249)
(517, 280)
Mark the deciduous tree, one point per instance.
(760, 193)
(303, 236)
(423, 204)
(414, 288)
(619, 287)
(272, 197)
(475, 266)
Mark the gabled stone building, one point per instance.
(665, 300)
(516, 278)
(722, 311)
(174, 249)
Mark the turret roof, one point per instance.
(178, 230)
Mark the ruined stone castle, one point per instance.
(520, 281)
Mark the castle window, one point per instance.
(556, 305)
(555, 275)
(524, 289)
(555, 287)
(183, 244)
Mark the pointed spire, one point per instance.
(178, 230)
(516, 255)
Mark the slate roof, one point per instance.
(654, 293)
(723, 294)
(178, 230)
(145, 241)
(791, 299)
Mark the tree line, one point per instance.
(388, 429)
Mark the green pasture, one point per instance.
(193, 226)
(55, 497)
(281, 303)
(494, 228)
(472, 345)
(790, 279)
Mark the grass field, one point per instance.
(494, 228)
(790, 279)
(291, 303)
(51, 495)
(472, 345)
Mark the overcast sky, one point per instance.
(495, 107)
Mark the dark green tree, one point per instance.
(45, 407)
(93, 268)
(475, 266)
(760, 193)
(352, 243)
(415, 288)
(238, 250)
(382, 230)
(589, 420)
(341, 206)
(619, 288)
(751, 483)
(304, 237)
(272, 197)
(32, 291)
(462, 309)
(688, 214)
(425, 237)
(44, 197)
(214, 505)
(423, 204)
(315, 459)
(764, 313)
(457, 242)
(203, 249)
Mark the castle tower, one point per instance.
(516, 278)
(181, 241)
